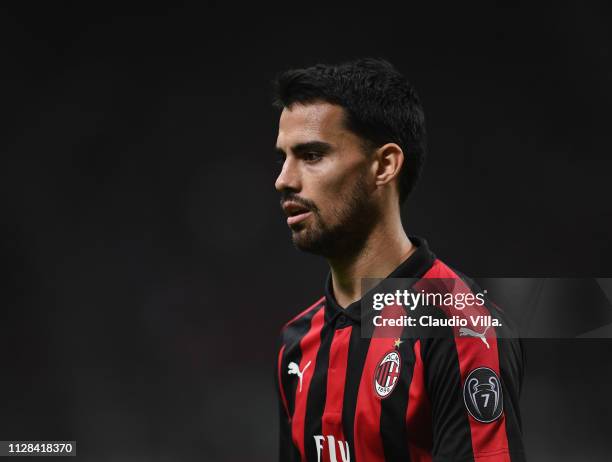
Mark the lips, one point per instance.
(293, 208)
(295, 212)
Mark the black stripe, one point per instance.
(452, 437)
(317, 394)
(358, 351)
(511, 366)
(383, 374)
(291, 337)
(387, 374)
(511, 371)
(393, 408)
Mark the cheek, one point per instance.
(344, 184)
(334, 195)
(344, 175)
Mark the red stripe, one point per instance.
(336, 379)
(385, 375)
(490, 438)
(280, 381)
(418, 414)
(368, 445)
(309, 345)
(307, 310)
(381, 375)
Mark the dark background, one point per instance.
(148, 268)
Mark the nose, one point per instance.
(289, 177)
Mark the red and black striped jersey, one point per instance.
(344, 397)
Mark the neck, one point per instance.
(385, 249)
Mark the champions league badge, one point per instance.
(482, 395)
(387, 373)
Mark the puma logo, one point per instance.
(465, 331)
(295, 369)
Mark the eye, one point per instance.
(312, 157)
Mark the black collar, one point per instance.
(415, 266)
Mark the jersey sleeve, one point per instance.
(285, 444)
(474, 388)
(286, 449)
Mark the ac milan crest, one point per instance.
(387, 373)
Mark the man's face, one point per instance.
(325, 181)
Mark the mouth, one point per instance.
(295, 212)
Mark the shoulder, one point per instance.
(508, 328)
(441, 270)
(483, 331)
(303, 319)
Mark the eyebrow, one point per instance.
(301, 148)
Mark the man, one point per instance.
(352, 142)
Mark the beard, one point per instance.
(345, 233)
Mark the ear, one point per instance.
(389, 161)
